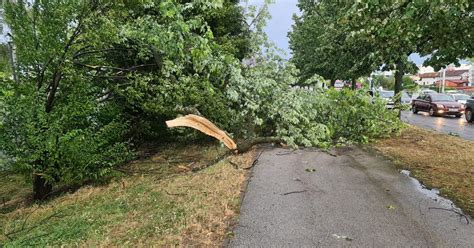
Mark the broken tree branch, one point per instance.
(461, 215)
(255, 161)
(294, 192)
(204, 125)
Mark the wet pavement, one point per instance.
(447, 124)
(313, 199)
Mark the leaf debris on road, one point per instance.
(342, 237)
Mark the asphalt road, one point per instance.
(447, 124)
(354, 199)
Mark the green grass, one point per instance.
(13, 187)
(438, 160)
(77, 220)
(155, 203)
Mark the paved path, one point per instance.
(445, 125)
(354, 199)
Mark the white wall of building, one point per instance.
(471, 76)
(426, 81)
(431, 81)
(4, 29)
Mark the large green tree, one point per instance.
(93, 74)
(230, 29)
(321, 46)
(378, 34)
(397, 29)
(55, 126)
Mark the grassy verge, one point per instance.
(158, 201)
(437, 160)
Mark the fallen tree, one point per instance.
(207, 127)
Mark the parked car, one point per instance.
(469, 110)
(453, 92)
(405, 98)
(460, 98)
(338, 85)
(427, 91)
(388, 97)
(420, 92)
(438, 105)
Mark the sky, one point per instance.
(278, 27)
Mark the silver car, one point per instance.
(460, 98)
(389, 96)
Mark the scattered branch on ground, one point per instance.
(456, 211)
(255, 161)
(56, 214)
(175, 194)
(284, 153)
(330, 153)
(294, 192)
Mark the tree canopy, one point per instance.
(94, 75)
(377, 34)
(320, 44)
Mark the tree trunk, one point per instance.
(248, 144)
(333, 82)
(398, 83)
(12, 58)
(41, 188)
(354, 84)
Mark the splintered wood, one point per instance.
(204, 125)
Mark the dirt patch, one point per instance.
(437, 160)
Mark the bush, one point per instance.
(80, 139)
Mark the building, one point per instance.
(427, 78)
(4, 30)
(471, 76)
(425, 69)
(462, 76)
(383, 73)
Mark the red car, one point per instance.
(437, 105)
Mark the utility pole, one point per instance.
(444, 80)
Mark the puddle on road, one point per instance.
(431, 193)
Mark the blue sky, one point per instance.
(278, 27)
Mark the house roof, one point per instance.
(449, 73)
(453, 83)
(429, 75)
(458, 81)
(455, 73)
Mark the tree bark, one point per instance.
(41, 188)
(11, 57)
(248, 144)
(354, 84)
(399, 83)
